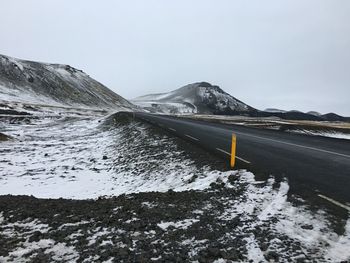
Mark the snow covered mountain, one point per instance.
(54, 84)
(200, 97)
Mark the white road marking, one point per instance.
(172, 129)
(335, 202)
(189, 136)
(221, 150)
(297, 145)
(239, 158)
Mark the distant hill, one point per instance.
(200, 97)
(298, 115)
(334, 117)
(56, 84)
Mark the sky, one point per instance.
(291, 54)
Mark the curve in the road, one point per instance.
(314, 162)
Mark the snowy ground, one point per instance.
(331, 134)
(164, 199)
(87, 157)
(241, 220)
(340, 130)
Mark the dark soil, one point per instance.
(138, 213)
(4, 137)
(13, 112)
(143, 227)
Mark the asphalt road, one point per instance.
(314, 163)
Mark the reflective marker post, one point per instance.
(233, 151)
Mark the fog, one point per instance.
(293, 55)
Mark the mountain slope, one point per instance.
(200, 97)
(54, 84)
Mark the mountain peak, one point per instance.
(203, 84)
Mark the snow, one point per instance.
(147, 205)
(99, 233)
(60, 251)
(62, 71)
(111, 260)
(220, 260)
(24, 95)
(75, 76)
(167, 107)
(16, 62)
(195, 244)
(339, 247)
(53, 158)
(223, 100)
(276, 204)
(254, 252)
(183, 224)
(157, 258)
(261, 203)
(337, 135)
(30, 226)
(153, 97)
(74, 224)
(260, 206)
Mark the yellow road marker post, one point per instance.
(233, 151)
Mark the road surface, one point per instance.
(314, 163)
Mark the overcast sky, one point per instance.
(292, 54)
